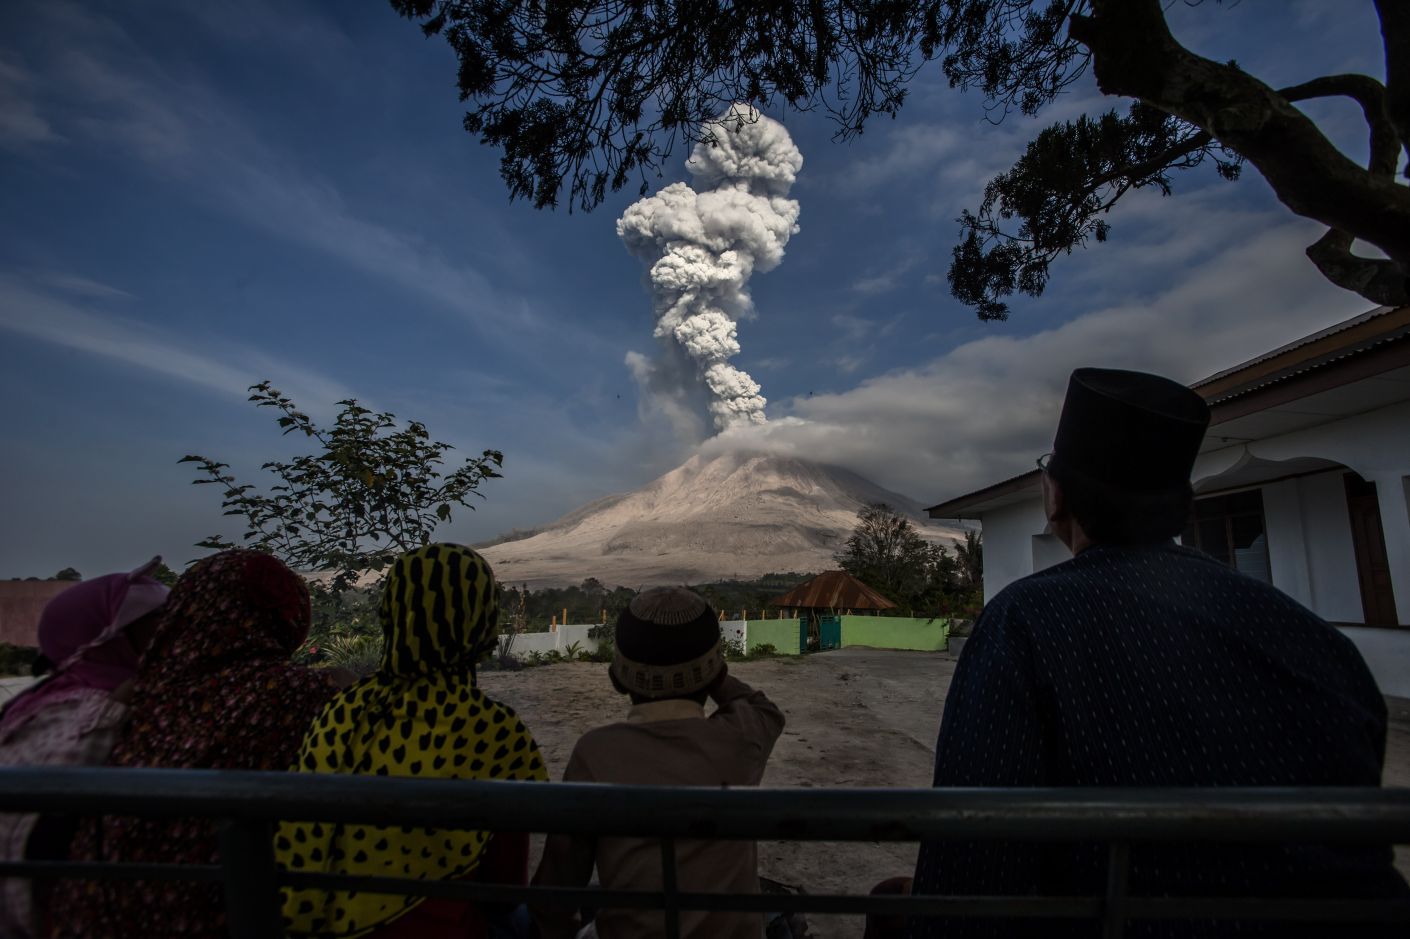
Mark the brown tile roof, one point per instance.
(21, 602)
(833, 590)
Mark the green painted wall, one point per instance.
(892, 632)
(782, 634)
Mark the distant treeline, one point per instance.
(591, 600)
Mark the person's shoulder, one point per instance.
(1209, 570)
(1101, 562)
(605, 736)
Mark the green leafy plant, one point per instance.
(572, 650)
(358, 654)
(372, 490)
(732, 648)
(763, 650)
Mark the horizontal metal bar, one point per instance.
(108, 870)
(1272, 909)
(1286, 910)
(1245, 815)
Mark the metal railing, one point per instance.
(247, 806)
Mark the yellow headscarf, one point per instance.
(420, 714)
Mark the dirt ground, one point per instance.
(856, 717)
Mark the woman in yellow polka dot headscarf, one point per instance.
(419, 714)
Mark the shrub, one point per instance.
(732, 648)
(358, 654)
(763, 650)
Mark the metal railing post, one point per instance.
(1118, 877)
(252, 899)
(670, 904)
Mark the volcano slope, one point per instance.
(734, 516)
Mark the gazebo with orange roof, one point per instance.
(834, 592)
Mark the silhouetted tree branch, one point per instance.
(591, 95)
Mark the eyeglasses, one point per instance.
(1044, 460)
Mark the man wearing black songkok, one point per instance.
(1144, 663)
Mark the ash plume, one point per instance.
(702, 242)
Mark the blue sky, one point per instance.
(198, 196)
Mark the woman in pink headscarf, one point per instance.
(93, 633)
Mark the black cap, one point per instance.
(667, 625)
(1128, 430)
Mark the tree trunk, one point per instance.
(1135, 55)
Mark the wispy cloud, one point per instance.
(118, 96)
(20, 122)
(855, 328)
(983, 410)
(911, 149)
(888, 278)
(75, 321)
(79, 286)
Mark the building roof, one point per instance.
(833, 590)
(1375, 341)
(21, 603)
(1375, 344)
(974, 504)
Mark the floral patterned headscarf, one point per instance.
(215, 690)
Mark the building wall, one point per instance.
(896, 632)
(1336, 589)
(21, 603)
(1309, 533)
(1008, 543)
(1387, 655)
(736, 630)
(1284, 526)
(1374, 444)
(782, 634)
(559, 638)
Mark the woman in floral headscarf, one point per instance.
(420, 714)
(91, 634)
(215, 690)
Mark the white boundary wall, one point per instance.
(559, 638)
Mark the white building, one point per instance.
(1303, 481)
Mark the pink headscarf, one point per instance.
(83, 632)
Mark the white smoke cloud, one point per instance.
(703, 243)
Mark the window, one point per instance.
(1230, 528)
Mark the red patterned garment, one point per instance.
(215, 690)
